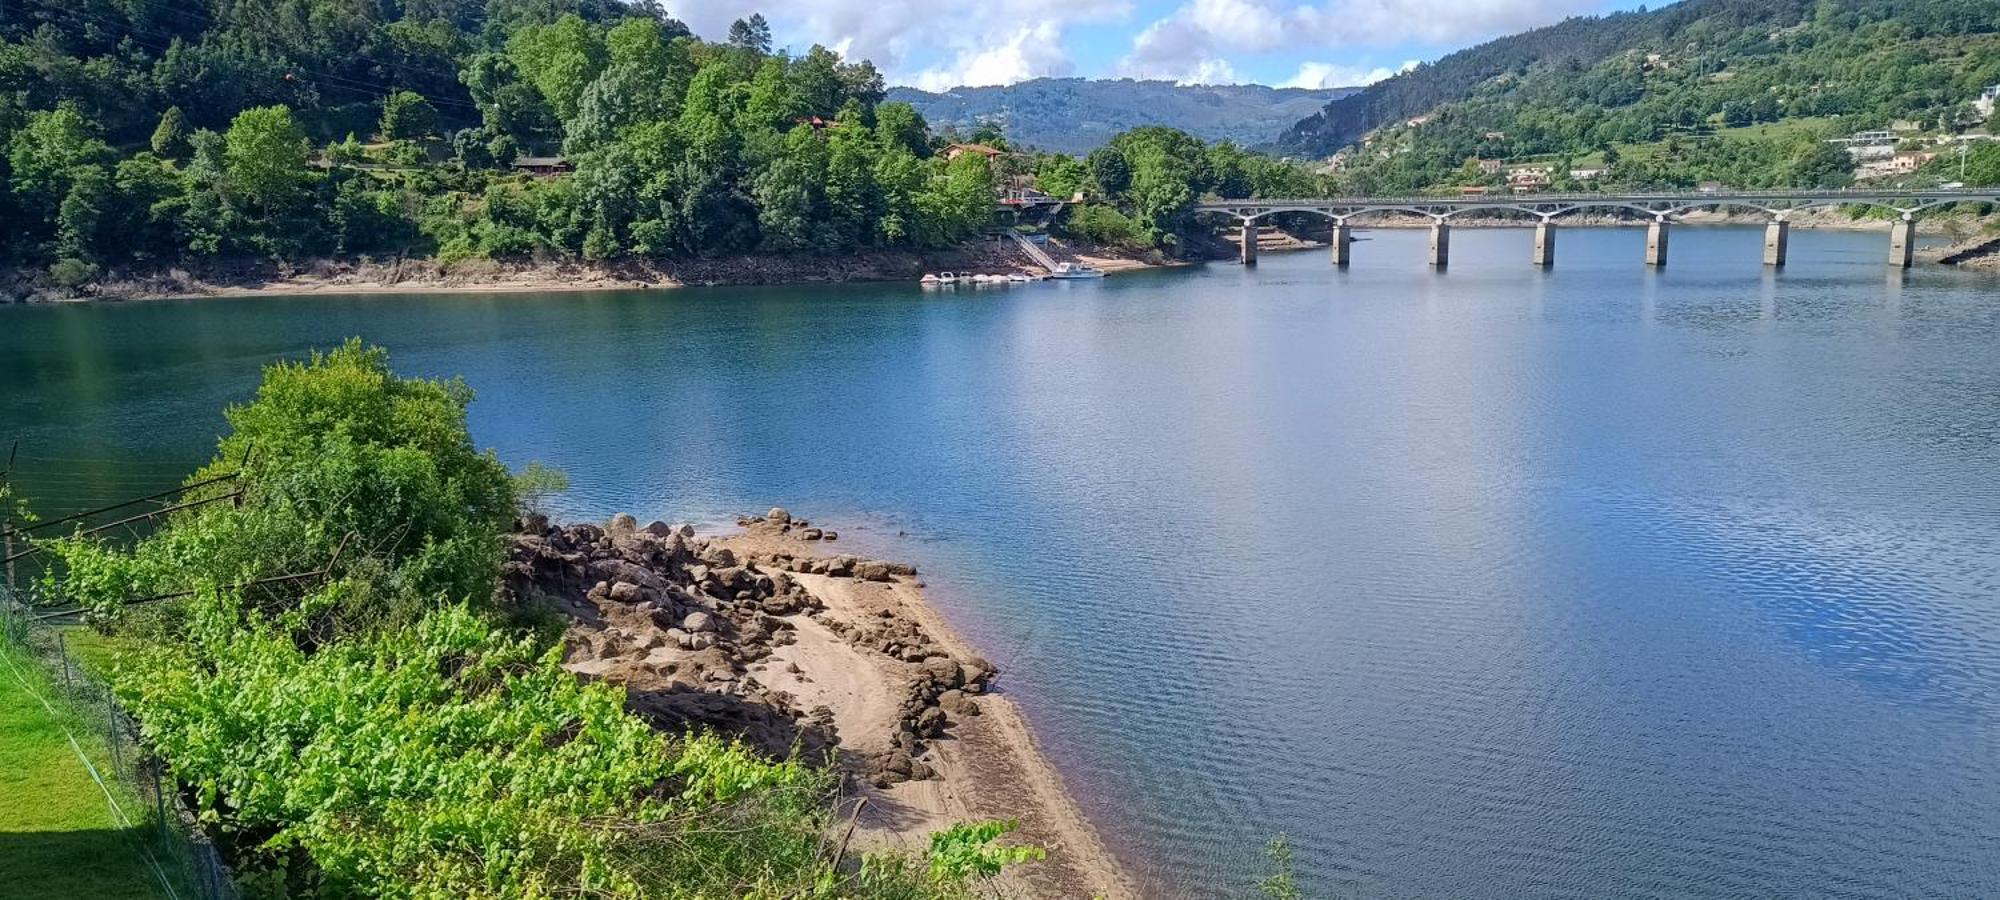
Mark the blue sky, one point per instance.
(939, 44)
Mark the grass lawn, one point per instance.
(58, 836)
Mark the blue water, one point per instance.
(1594, 582)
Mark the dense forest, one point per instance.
(1673, 76)
(146, 133)
(1078, 115)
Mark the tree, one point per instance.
(265, 158)
(900, 125)
(753, 34)
(772, 102)
(560, 60)
(408, 116)
(170, 138)
(1110, 170)
(46, 157)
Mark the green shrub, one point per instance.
(70, 272)
(1103, 225)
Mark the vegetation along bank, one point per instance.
(362, 685)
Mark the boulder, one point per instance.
(622, 525)
(943, 672)
(811, 534)
(778, 514)
(626, 592)
(957, 703)
(698, 622)
(659, 529)
(930, 722)
(872, 571)
(829, 535)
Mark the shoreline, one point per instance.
(398, 276)
(368, 277)
(769, 634)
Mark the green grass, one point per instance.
(58, 837)
(1764, 130)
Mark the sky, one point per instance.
(940, 44)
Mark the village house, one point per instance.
(1528, 179)
(1587, 173)
(1986, 100)
(954, 151)
(1490, 166)
(544, 166)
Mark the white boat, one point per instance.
(947, 278)
(930, 278)
(1018, 278)
(1075, 270)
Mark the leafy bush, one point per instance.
(334, 450)
(1103, 225)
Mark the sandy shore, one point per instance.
(772, 635)
(990, 766)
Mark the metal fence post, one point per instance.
(113, 734)
(62, 650)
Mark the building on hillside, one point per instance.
(1472, 190)
(544, 166)
(1490, 166)
(1987, 98)
(1710, 187)
(954, 151)
(1495, 135)
(1866, 145)
(1587, 173)
(1908, 161)
(1528, 179)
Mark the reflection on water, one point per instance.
(1489, 582)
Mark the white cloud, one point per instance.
(1032, 52)
(934, 44)
(1331, 75)
(1201, 32)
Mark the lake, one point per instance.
(1491, 582)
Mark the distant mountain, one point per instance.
(1075, 115)
(1638, 76)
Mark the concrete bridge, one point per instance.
(1663, 208)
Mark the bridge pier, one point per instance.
(1440, 244)
(1903, 243)
(1343, 243)
(1249, 243)
(1545, 244)
(1656, 243)
(1777, 238)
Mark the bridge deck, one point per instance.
(1549, 205)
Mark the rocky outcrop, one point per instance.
(680, 619)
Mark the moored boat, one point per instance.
(1075, 270)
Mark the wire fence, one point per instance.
(141, 797)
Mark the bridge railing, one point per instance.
(1849, 194)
